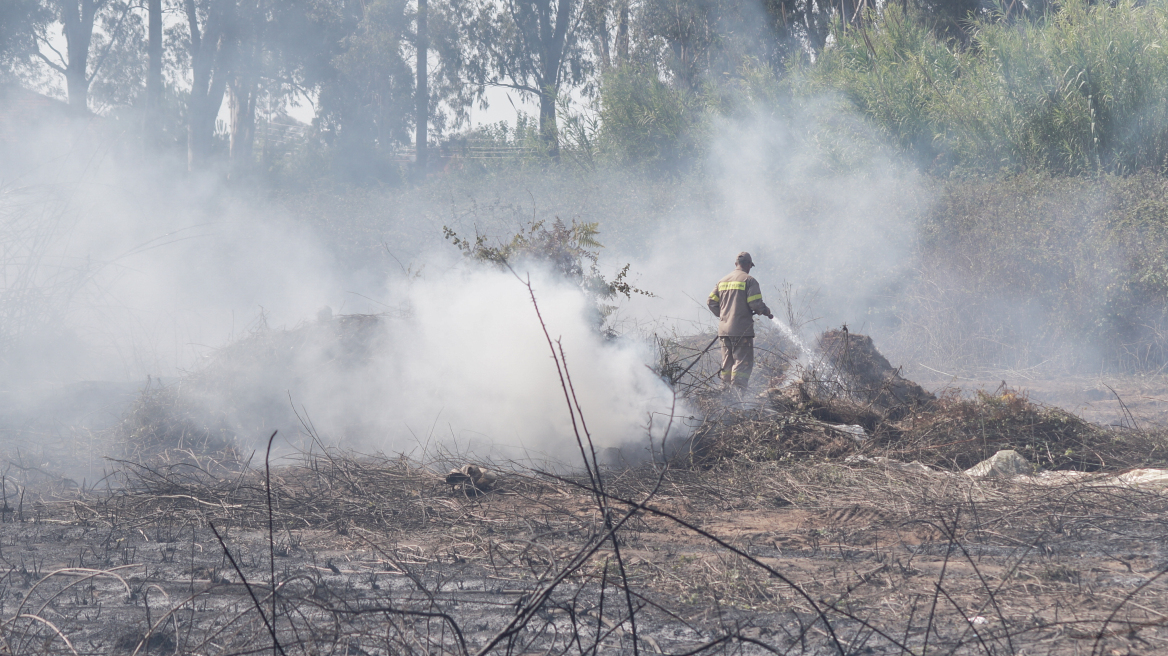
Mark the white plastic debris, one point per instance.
(881, 461)
(1000, 465)
(854, 430)
(1145, 478)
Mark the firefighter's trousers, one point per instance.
(737, 360)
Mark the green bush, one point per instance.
(569, 251)
(1079, 90)
(1033, 269)
(646, 121)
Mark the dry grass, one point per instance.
(377, 554)
(957, 433)
(952, 432)
(769, 542)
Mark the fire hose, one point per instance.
(708, 346)
(695, 361)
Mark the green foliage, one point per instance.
(564, 248)
(568, 250)
(698, 42)
(361, 58)
(18, 23)
(1017, 272)
(121, 37)
(644, 120)
(500, 144)
(366, 100)
(1079, 90)
(535, 47)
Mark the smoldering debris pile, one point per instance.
(864, 375)
(957, 432)
(242, 390)
(161, 423)
(849, 381)
(847, 399)
(843, 399)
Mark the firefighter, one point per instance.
(734, 300)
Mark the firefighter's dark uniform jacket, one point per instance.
(733, 301)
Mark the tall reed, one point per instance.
(1082, 89)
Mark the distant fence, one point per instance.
(465, 149)
(282, 134)
(285, 134)
(488, 149)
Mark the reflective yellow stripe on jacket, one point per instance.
(734, 300)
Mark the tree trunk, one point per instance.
(201, 129)
(551, 56)
(548, 129)
(605, 54)
(243, 87)
(153, 110)
(242, 99)
(77, 19)
(211, 54)
(422, 92)
(622, 33)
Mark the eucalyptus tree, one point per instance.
(243, 83)
(283, 48)
(87, 49)
(441, 59)
(696, 42)
(421, 86)
(212, 41)
(607, 25)
(377, 92)
(20, 21)
(366, 94)
(536, 47)
(152, 107)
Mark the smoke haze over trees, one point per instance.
(657, 69)
(858, 145)
(637, 80)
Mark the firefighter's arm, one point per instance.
(714, 302)
(754, 299)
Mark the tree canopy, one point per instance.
(966, 84)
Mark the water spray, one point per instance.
(805, 354)
(823, 372)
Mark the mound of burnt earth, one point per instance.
(849, 381)
(862, 374)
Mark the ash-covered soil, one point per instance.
(377, 556)
(824, 511)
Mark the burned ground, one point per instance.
(790, 522)
(375, 555)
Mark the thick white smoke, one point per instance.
(835, 220)
(465, 364)
(170, 267)
(123, 273)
